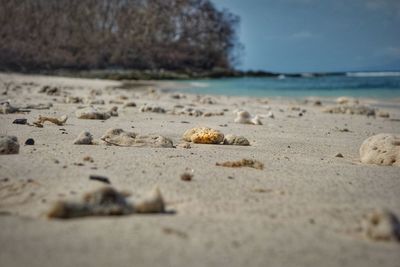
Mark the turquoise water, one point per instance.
(371, 85)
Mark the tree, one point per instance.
(136, 34)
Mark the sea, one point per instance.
(382, 85)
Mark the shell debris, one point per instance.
(381, 225)
(107, 201)
(119, 137)
(242, 163)
(58, 121)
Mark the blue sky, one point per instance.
(318, 35)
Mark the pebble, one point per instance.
(88, 158)
(29, 142)
(187, 177)
(99, 178)
(20, 121)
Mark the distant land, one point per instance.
(127, 74)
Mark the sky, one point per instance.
(318, 35)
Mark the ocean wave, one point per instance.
(374, 74)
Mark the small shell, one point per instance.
(245, 117)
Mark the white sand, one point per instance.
(303, 209)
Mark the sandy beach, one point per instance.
(304, 208)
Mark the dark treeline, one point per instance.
(101, 34)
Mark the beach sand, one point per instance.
(303, 209)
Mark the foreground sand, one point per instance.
(303, 209)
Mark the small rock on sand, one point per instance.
(343, 100)
(187, 177)
(130, 104)
(113, 111)
(235, 140)
(73, 100)
(351, 110)
(58, 121)
(95, 102)
(29, 142)
(381, 225)
(203, 135)
(383, 114)
(155, 109)
(187, 111)
(381, 149)
(99, 178)
(50, 90)
(153, 203)
(84, 138)
(7, 108)
(105, 201)
(317, 103)
(91, 113)
(20, 121)
(8, 144)
(184, 145)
